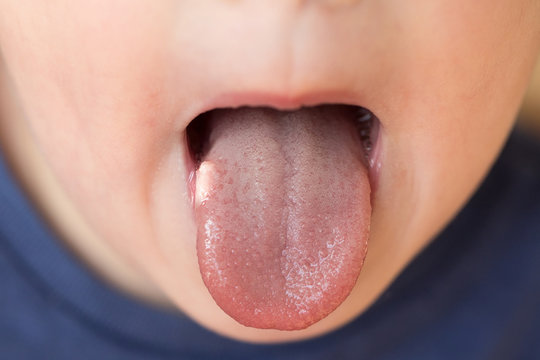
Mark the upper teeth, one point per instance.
(364, 123)
(363, 115)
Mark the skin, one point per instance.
(96, 96)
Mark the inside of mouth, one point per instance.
(282, 208)
(366, 124)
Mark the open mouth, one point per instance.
(366, 123)
(282, 203)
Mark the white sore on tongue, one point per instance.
(283, 210)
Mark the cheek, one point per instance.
(102, 108)
(85, 87)
(468, 85)
(450, 93)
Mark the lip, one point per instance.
(280, 101)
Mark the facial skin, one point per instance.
(97, 95)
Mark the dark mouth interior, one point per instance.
(366, 123)
(197, 134)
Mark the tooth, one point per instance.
(363, 115)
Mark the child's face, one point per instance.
(109, 86)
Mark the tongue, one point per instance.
(282, 206)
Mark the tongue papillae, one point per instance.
(282, 207)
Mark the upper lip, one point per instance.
(280, 101)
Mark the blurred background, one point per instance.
(529, 117)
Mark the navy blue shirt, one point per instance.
(473, 293)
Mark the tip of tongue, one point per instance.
(307, 292)
(283, 211)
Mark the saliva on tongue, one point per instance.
(282, 206)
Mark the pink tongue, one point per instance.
(283, 210)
